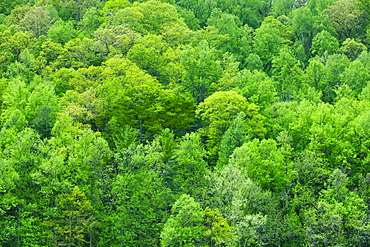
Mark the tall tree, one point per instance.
(267, 41)
(233, 138)
(184, 227)
(286, 69)
(339, 216)
(73, 220)
(217, 113)
(202, 68)
(189, 165)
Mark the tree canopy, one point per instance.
(184, 123)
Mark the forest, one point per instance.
(180, 123)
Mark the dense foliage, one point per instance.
(184, 123)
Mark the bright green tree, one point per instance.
(152, 54)
(266, 163)
(339, 216)
(233, 138)
(62, 31)
(189, 165)
(217, 113)
(335, 65)
(257, 87)
(286, 70)
(185, 225)
(74, 219)
(267, 42)
(352, 49)
(324, 42)
(202, 68)
(355, 76)
(137, 99)
(316, 75)
(136, 207)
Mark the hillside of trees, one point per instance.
(184, 123)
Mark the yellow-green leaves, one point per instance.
(217, 113)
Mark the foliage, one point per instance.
(184, 123)
(217, 113)
(184, 227)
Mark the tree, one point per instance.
(37, 21)
(85, 108)
(202, 68)
(62, 31)
(324, 42)
(15, 97)
(44, 121)
(137, 99)
(6, 7)
(240, 38)
(303, 26)
(136, 209)
(316, 75)
(352, 49)
(157, 15)
(218, 230)
(233, 138)
(317, 6)
(22, 154)
(364, 5)
(217, 113)
(355, 76)
(286, 69)
(335, 65)
(241, 201)
(345, 19)
(73, 220)
(8, 200)
(250, 12)
(50, 57)
(188, 164)
(112, 5)
(90, 21)
(284, 7)
(154, 55)
(189, 18)
(43, 95)
(339, 216)
(267, 42)
(12, 46)
(84, 79)
(81, 53)
(116, 39)
(184, 227)
(73, 9)
(168, 144)
(266, 163)
(257, 87)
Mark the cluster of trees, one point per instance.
(184, 123)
